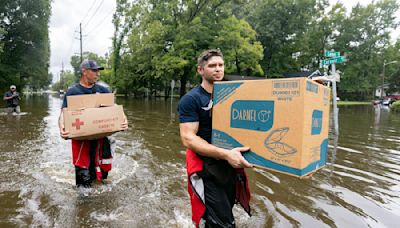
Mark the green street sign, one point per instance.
(339, 59)
(332, 54)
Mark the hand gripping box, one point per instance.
(92, 116)
(283, 121)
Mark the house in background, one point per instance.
(378, 91)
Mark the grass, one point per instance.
(353, 102)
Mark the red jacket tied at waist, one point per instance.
(81, 156)
(194, 164)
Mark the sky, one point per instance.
(97, 29)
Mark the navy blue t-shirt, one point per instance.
(12, 102)
(195, 106)
(78, 89)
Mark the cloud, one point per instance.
(97, 30)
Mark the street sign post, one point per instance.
(339, 59)
(332, 54)
(334, 58)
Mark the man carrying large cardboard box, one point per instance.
(87, 155)
(216, 179)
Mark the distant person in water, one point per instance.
(12, 98)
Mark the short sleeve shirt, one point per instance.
(78, 89)
(195, 106)
(12, 102)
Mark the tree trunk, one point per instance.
(167, 90)
(183, 84)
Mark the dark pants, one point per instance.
(85, 177)
(220, 200)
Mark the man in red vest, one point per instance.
(91, 158)
(216, 178)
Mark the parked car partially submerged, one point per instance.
(387, 101)
(390, 99)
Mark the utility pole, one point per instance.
(334, 99)
(80, 37)
(334, 58)
(383, 75)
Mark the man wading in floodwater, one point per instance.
(216, 178)
(91, 158)
(12, 98)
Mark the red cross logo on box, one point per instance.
(78, 124)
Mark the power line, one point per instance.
(95, 12)
(87, 12)
(70, 46)
(80, 37)
(101, 21)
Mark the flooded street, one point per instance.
(360, 186)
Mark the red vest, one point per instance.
(81, 156)
(194, 164)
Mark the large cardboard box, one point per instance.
(283, 121)
(92, 116)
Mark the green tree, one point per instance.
(166, 39)
(25, 41)
(319, 36)
(364, 37)
(392, 71)
(279, 25)
(242, 52)
(67, 79)
(125, 16)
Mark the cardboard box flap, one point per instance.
(90, 101)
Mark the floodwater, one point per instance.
(360, 186)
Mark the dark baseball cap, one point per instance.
(90, 64)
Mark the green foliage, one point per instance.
(67, 79)
(2, 34)
(280, 26)
(365, 37)
(158, 41)
(395, 107)
(24, 43)
(392, 71)
(167, 36)
(242, 52)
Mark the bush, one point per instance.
(396, 106)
